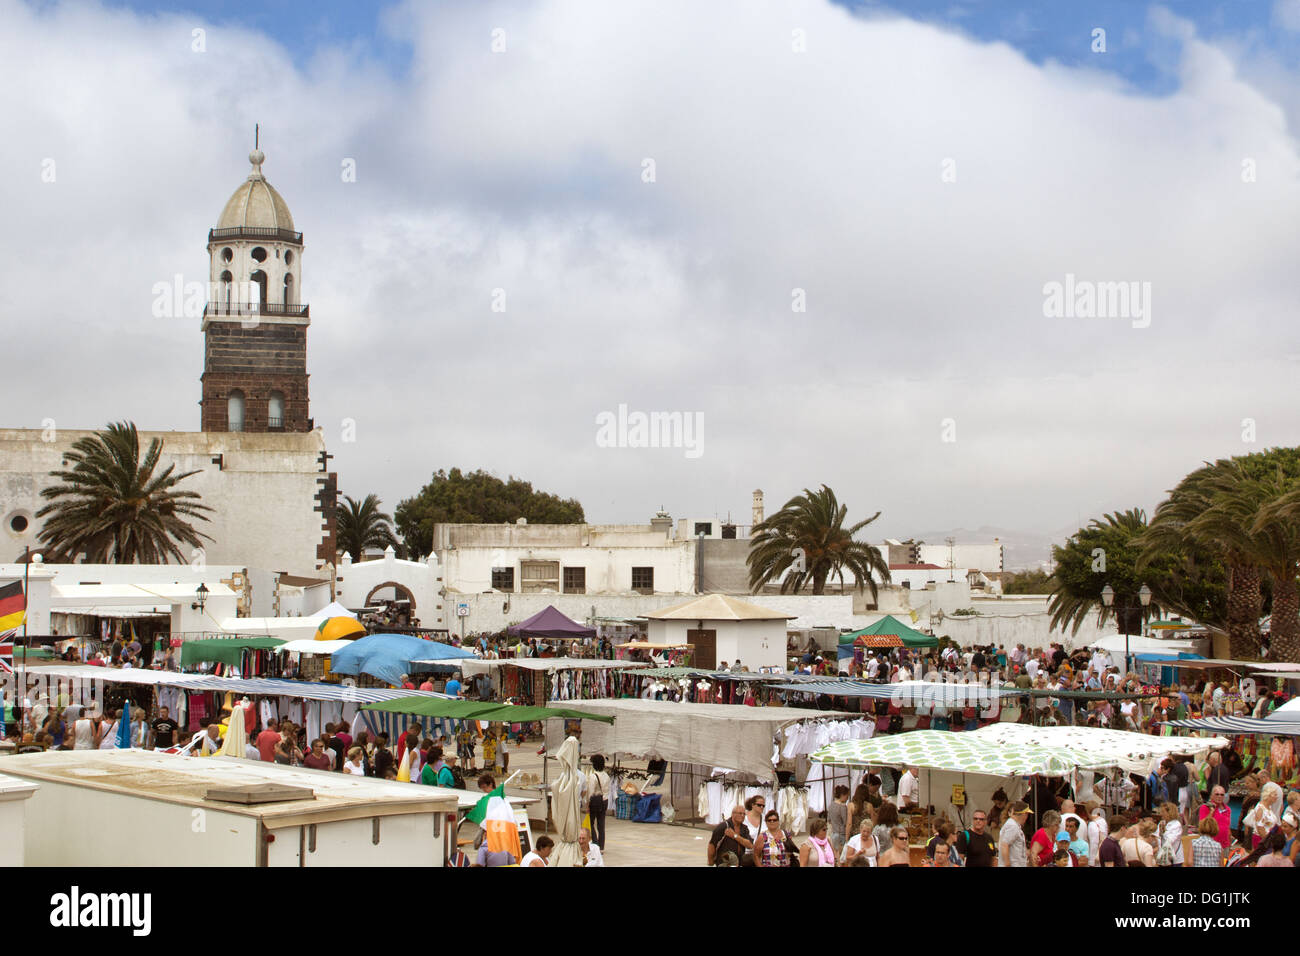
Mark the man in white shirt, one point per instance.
(909, 789)
(1100, 661)
(873, 667)
(588, 852)
(1097, 831)
(1031, 668)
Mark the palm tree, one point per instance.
(112, 506)
(1171, 531)
(807, 538)
(361, 525)
(1245, 513)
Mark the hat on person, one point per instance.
(1063, 837)
(1019, 807)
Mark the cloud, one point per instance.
(774, 170)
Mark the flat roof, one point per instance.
(170, 778)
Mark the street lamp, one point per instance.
(1108, 599)
(202, 594)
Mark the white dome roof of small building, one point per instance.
(256, 204)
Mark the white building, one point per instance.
(258, 461)
(566, 558)
(722, 628)
(363, 583)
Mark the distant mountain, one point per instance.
(1022, 549)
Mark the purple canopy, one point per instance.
(550, 623)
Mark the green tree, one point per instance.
(1033, 581)
(1188, 581)
(808, 538)
(112, 507)
(1171, 531)
(1236, 507)
(454, 497)
(361, 525)
(1244, 513)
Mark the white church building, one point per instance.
(259, 462)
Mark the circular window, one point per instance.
(259, 254)
(18, 523)
(227, 254)
(288, 258)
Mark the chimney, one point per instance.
(758, 506)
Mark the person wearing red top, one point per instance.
(1218, 806)
(267, 740)
(411, 730)
(1043, 846)
(317, 759)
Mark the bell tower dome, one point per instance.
(255, 324)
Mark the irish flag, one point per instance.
(497, 818)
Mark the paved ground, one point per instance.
(627, 843)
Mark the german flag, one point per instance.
(13, 607)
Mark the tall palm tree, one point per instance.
(808, 538)
(112, 506)
(1244, 514)
(1171, 531)
(361, 525)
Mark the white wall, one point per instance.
(754, 643)
(65, 827)
(608, 569)
(1017, 619)
(263, 493)
(422, 578)
(487, 614)
(984, 557)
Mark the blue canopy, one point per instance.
(389, 656)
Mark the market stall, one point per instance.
(195, 699)
(721, 754)
(538, 680)
(553, 624)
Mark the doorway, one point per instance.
(705, 644)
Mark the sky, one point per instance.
(826, 234)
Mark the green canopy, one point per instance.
(889, 626)
(225, 650)
(957, 752)
(479, 710)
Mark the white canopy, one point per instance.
(308, 646)
(333, 609)
(480, 666)
(1148, 645)
(1131, 752)
(716, 735)
(1288, 711)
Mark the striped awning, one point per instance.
(1240, 726)
(261, 686)
(878, 640)
(908, 694)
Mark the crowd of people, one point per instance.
(866, 828)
